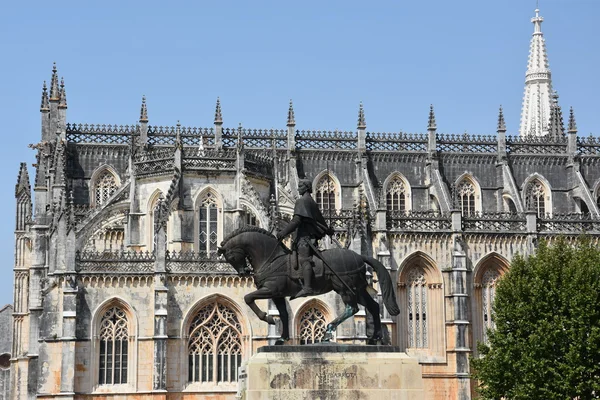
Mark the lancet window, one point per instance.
(208, 224)
(465, 192)
(114, 349)
(215, 345)
(312, 326)
(396, 195)
(488, 293)
(105, 186)
(249, 218)
(417, 308)
(325, 193)
(535, 197)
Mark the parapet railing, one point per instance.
(494, 222)
(197, 263)
(568, 223)
(117, 261)
(419, 221)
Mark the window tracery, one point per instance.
(535, 198)
(114, 351)
(325, 193)
(466, 197)
(104, 188)
(396, 195)
(312, 326)
(215, 345)
(249, 218)
(208, 224)
(488, 293)
(417, 308)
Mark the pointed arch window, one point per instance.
(105, 187)
(114, 349)
(208, 224)
(312, 325)
(466, 197)
(249, 218)
(215, 345)
(396, 195)
(326, 193)
(536, 198)
(488, 293)
(417, 308)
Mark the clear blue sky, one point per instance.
(466, 57)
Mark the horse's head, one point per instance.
(236, 256)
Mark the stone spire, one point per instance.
(431, 123)
(144, 111)
(54, 92)
(535, 113)
(572, 123)
(23, 185)
(291, 120)
(556, 128)
(62, 94)
(45, 106)
(501, 123)
(218, 115)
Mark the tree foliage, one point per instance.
(546, 344)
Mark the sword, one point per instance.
(318, 254)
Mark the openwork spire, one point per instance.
(54, 91)
(218, 115)
(535, 113)
(144, 111)
(362, 124)
(572, 123)
(431, 124)
(501, 123)
(62, 94)
(291, 120)
(45, 106)
(556, 127)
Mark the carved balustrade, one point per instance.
(326, 140)
(100, 262)
(109, 134)
(494, 222)
(429, 221)
(396, 142)
(536, 145)
(568, 223)
(466, 143)
(189, 262)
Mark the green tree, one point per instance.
(546, 344)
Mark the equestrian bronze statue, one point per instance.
(278, 274)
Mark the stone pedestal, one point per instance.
(330, 371)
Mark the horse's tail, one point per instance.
(385, 282)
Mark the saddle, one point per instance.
(296, 271)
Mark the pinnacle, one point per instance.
(291, 120)
(218, 115)
(431, 125)
(54, 92)
(23, 184)
(556, 128)
(45, 105)
(501, 123)
(62, 94)
(362, 124)
(572, 123)
(144, 111)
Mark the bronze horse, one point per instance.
(254, 251)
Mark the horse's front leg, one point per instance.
(262, 293)
(284, 317)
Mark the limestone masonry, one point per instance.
(118, 289)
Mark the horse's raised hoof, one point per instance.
(270, 320)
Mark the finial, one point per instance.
(431, 125)
(362, 124)
(218, 115)
(62, 94)
(572, 123)
(54, 93)
(501, 123)
(291, 121)
(45, 105)
(144, 111)
(240, 139)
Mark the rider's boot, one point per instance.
(307, 289)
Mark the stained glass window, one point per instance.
(535, 198)
(466, 197)
(325, 193)
(208, 229)
(488, 292)
(396, 195)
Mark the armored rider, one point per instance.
(310, 226)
